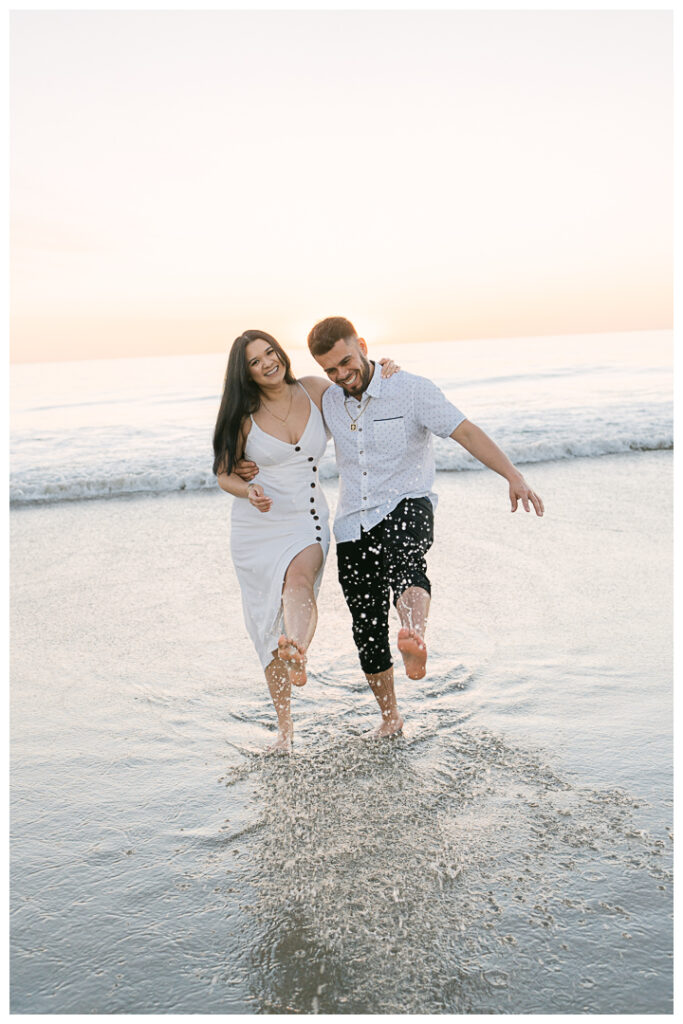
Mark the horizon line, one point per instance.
(303, 347)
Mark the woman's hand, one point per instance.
(389, 367)
(258, 499)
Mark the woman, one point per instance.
(280, 534)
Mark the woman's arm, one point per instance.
(235, 485)
(253, 492)
(231, 482)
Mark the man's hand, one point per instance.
(245, 469)
(520, 491)
(477, 443)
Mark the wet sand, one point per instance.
(510, 854)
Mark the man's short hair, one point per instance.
(327, 333)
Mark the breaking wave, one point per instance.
(187, 473)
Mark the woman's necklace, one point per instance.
(274, 414)
(354, 419)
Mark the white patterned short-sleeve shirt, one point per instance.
(383, 445)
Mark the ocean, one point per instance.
(106, 428)
(511, 852)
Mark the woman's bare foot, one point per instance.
(283, 743)
(414, 652)
(294, 658)
(389, 727)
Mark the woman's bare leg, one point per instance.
(277, 677)
(300, 611)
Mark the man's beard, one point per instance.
(365, 374)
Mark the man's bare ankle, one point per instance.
(390, 726)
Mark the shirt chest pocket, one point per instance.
(389, 435)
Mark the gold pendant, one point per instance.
(353, 426)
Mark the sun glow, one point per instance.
(180, 176)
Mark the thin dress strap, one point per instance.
(305, 392)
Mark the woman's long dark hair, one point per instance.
(241, 397)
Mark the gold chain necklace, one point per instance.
(273, 414)
(354, 419)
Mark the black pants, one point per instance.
(390, 556)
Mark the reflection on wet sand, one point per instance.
(388, 881)
(511, 853)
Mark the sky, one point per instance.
(178, 177)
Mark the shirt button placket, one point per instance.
(363, 483)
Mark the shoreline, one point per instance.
(329, 481)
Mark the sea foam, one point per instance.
(126, 427)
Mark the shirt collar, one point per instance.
(374, 385)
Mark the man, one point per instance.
(383, 527)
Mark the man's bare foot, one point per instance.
(291, 653)
(283, 743)
(389, 727)
(414, 652)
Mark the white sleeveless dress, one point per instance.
(262, 544)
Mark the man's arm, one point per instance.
(245, 470)
(479, 444)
